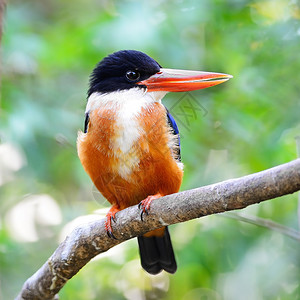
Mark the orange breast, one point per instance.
(127, 176)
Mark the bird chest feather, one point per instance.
(126, 133)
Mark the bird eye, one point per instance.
(132, 75)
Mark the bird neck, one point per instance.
(131, 101)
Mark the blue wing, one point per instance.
(86, 122)
(173, 125)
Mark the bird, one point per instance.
(130, 145)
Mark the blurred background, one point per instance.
(243, 126)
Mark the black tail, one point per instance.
(157, 253)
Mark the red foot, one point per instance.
(145, 204)
(110, 216)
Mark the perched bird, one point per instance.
(130, 146)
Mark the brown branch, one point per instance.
(290, 232)
(89, 240)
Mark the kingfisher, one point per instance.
(130, 146)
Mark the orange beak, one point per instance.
(171, 80)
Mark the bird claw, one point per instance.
(145, 204)
(144, 212)
(109, 217)
(108, 227)
(110, 234)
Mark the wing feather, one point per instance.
(175, 132)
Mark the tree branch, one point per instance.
(87, 241)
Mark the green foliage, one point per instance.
(243, 126)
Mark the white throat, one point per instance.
(135, 97)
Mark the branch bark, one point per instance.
(87, 241)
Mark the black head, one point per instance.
(122, 70)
